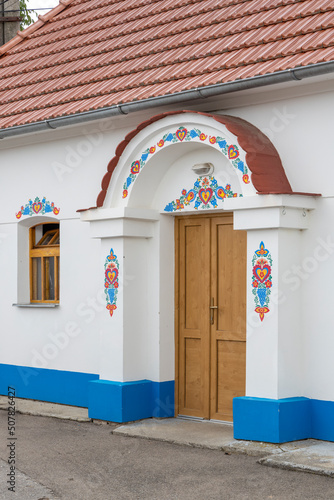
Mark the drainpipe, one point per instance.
(296, 74)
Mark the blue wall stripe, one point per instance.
(283, 420)
(127, 401)
(322, 417)
(163, 399)
(105, 400)
(54, 386)
(256, 419)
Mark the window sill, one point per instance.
(37, 305)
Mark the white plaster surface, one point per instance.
(288, 354)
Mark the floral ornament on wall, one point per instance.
(261, 280)
(206, 193)
(231, 151)
(111, 271)
(38, 207)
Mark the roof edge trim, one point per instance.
(294, 74)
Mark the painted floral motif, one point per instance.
(262, 280)
(38, 207)
(206, 194)
(111, 272)
(231, 151)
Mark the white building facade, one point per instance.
(200, 278)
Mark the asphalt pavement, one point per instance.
(71, 460)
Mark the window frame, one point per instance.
(36, 250)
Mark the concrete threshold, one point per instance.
(309, 455)
(316, 457)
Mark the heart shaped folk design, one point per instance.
(37, 207)
(205, 195)
(135, 167)
(262, 273)
(233, 152)
(181, 133)
(111, 275)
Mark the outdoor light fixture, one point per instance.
(203, 168)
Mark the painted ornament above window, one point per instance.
(205, 194)
(38, 207)
(111, 272)
(231, 151)
(262, 280)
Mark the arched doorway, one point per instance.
(151, 181)
(210, 319)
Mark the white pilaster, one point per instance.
(274, 360)
(130, 337)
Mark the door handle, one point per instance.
(212, 308)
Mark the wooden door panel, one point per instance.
(228, 333)
(229, 278)
(193, 390)
(194, 329)
(210, 359)
(231, 375)
(192, 279)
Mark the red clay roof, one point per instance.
(89, 54)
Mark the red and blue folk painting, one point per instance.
(111, 272)
(262, 279)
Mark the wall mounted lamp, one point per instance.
(201, 169)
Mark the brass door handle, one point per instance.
(212, 307)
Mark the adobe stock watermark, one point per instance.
(164, 408)
(223, 177)
(85, 313)
(3, 236)
(310, 264)
(12, 439)
(84, 148)
(279, 121)
(294, 277)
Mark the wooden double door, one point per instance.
(210, 316)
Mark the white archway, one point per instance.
(139, 338)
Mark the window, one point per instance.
(44, 263)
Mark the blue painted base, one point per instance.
(282, 420)
(127, 401)
(105, 400)
(54, 386)
(322, 419)
(255, 419)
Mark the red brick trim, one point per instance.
(262, 158)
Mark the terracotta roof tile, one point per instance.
(89, 54)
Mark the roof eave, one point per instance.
(295, 74)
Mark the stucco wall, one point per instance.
(67, 169)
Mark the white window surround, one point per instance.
(23, 280)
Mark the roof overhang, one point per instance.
(200, 93)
